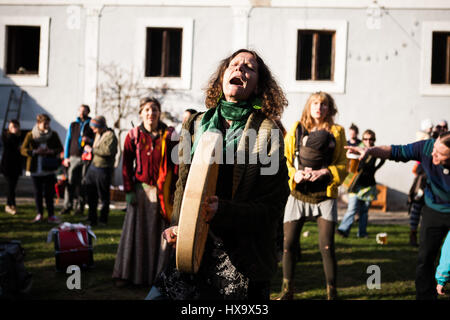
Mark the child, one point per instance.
(363, 193)
(443, 269)
(11, 165)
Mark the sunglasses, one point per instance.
(368, 139)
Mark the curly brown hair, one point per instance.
(273, 100)
(308, 122)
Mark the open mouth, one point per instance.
(237, 81)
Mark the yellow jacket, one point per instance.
(338, 163)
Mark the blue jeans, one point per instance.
(355, 205)
(154, 294)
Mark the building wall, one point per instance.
(382, 66)
(382, 75)
(64, 91)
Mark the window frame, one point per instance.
(187, 26)
(165, 54)
(40, 79)
(315, 46)
(426, 87)
(337, 85)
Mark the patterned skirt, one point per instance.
(216, 279)
(142, 251)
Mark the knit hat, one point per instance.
(98, 122)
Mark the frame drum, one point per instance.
(201, 183)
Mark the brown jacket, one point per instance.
(248, 222)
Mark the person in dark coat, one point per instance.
(11, 165)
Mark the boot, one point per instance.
(331, 292)
(413, 238)
(287, 290)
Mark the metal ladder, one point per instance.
(10, 109)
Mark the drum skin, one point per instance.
(201, 183)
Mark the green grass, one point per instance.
(96, 283)
(397, 261)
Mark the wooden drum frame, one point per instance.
(200, 184)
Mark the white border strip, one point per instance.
(426, 88)
(355, 4)
(187, 24)
(40, 79)
(340, 64)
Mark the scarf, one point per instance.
(41, 136)
(237, 112)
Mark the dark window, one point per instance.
(315, 55)
(440, 60)
(163, 52)
(22, 49)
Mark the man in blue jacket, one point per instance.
(78, 135)
(434, 156)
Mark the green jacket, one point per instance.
(104, 150)
(29, 144)
(250, 219)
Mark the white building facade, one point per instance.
(386, 63)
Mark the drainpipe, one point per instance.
(91, 49)
(241, 16)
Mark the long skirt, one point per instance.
(142, 251)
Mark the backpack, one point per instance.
(14, 279)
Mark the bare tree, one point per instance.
(119, 93)
(118, 96)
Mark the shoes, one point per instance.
(120, 283)
(38, 218)
(11, 210)
(287, 290)
(65, 211)
(331, 293)
(413, 238)
(342, 233)
(54, 220)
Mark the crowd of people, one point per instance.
(245, 214)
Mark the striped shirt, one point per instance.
(437, 191)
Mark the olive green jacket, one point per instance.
(104, 149)
(250, 219)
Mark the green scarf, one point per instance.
(236, 112)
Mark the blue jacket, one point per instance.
(83, 124)
(437, 191)
(443, 269)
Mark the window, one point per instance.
(315, 55)
(317, 52)
(440, 58)
(163, 54)
(22, 47)
(435, 58)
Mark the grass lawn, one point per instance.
(397, 262)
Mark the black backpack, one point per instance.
(15, 281)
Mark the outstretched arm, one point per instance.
(382, 152)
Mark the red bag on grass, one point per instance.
(73, 245)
